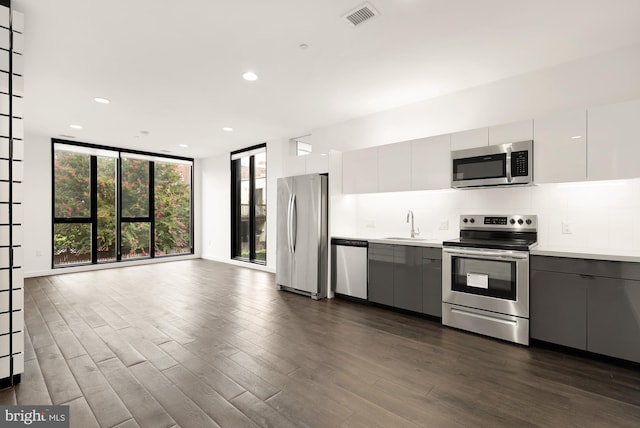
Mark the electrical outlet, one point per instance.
(566, 228)
(38, 253)
(370, 224)
(444, 225)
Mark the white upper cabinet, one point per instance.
(360, 171)
(470, 139)
(431, 163)
(394, 167)
(560, 147)
(613, 148)
(511, 132)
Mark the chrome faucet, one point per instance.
(414, 231)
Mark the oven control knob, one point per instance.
(528, 221)
(512, 221)
(520, 221)
(472, 220)
(464, 220)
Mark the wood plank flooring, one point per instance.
(204, 344)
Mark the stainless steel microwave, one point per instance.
(499, 165)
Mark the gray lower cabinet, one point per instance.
(614, 318)
(432, 281)
(587, 304)
(381, 273)
(558, 308)
(407, 277)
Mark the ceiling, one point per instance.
(172, 70)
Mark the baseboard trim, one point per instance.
(248, 265)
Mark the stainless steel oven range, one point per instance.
(485, 276)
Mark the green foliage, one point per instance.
(73, 188)
(172, 208)
(72, 242)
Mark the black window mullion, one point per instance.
(235, 208)
(94, 209)
(71, 220)
(252, 208)
(152, 209)
(119, 208)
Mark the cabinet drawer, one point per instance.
(603, 268)
(432, 253)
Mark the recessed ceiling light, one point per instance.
(250, 75)
(303, 46)
(101, 100)
(226, 128)
(576, 137)
(75, 126)
(183, 145)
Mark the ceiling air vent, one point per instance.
(360, 14)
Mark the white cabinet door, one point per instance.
(511, 132)
(470, 139)
(360, 171)
(431, 163)
(613, 148)
(560, 147)
(394, 167)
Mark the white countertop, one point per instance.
(414, 242)
(539, 250)
(610, 255)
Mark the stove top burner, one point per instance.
(515, 244)
(509, 232)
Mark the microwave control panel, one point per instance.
(520, 163)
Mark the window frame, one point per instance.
(119, 218)
(236, 204)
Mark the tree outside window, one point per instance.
(84, 233)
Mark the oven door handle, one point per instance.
(505, 255)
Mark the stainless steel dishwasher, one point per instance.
(349, 267)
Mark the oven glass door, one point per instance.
(492, 278)
(480, 167)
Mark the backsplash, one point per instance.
(599, 216)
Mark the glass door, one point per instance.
(493, 278)
(249, 205)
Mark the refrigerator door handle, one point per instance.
(294, 223)
(289, 223)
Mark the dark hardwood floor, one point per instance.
(198, 343)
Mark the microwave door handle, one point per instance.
(508, 160)
(509, 173)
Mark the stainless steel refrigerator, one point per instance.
(301, 254)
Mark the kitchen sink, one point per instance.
(404, 238)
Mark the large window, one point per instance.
(112, 205)
(249, 204)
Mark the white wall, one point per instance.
(593, 210)
(587, 82)
(583, 83)
(37, 205)
(216, 214)
(38, 212)
(601, 215)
